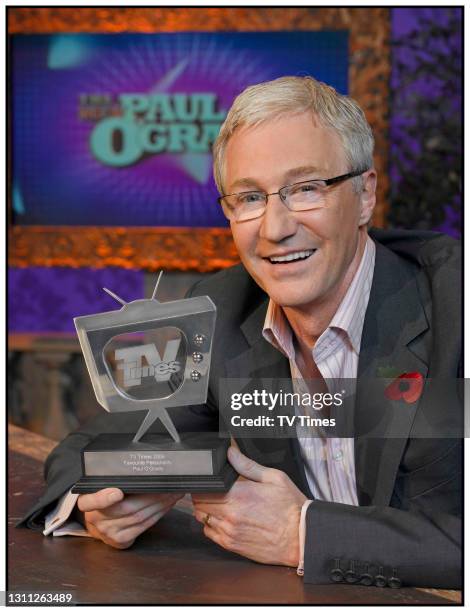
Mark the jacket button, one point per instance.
(350, 576)
(336, 574)
(394, 582)
(366, 579)
(380, 579)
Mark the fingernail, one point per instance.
(114, 497)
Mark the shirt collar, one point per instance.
(349, 317)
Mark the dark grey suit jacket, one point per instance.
(407, 527)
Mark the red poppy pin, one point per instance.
(408, 387)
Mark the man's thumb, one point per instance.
(247, 467)
(99, 500)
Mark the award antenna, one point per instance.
(116, 297)
(156, 286)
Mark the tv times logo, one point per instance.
(161, 368)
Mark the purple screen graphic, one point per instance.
(117, 129)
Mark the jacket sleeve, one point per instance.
(411, 548)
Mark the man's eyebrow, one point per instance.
(289, 176)
(301, 171)
(250, 183)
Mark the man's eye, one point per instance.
(305, 188)
(250, 198)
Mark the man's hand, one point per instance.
(258, 518)
(117, 520)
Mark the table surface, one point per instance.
(173, 563)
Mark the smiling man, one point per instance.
(304, 243)
(317, 297)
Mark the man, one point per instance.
(316, 297)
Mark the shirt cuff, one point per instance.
(302, 534)
(57, 521)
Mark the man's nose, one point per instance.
(277, 222)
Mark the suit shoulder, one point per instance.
(441, 251)
(223, 283)
(233, 291)
(429, 250)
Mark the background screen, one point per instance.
(116, 129)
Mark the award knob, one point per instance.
(199, 339)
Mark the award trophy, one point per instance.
(152, 356)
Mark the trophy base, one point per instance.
(218, 483)
(197, 464)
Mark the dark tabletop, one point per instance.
(171, 563)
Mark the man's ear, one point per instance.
(367, 196)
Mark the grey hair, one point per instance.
(295, 95)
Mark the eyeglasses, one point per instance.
(306, 195)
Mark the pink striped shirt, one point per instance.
(329, 462)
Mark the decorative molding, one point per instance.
(187, 248)
(153, 248)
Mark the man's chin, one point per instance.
(291, 300)
(289, 293)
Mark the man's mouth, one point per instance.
(297, 256)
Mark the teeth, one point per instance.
(292, 256)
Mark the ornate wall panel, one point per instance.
(200, 249)
(159, 248)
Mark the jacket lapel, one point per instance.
(262, 366)
(393, 336)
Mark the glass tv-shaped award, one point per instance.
(152, 356)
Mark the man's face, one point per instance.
(323, 242)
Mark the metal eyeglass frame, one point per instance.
(280, 193)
